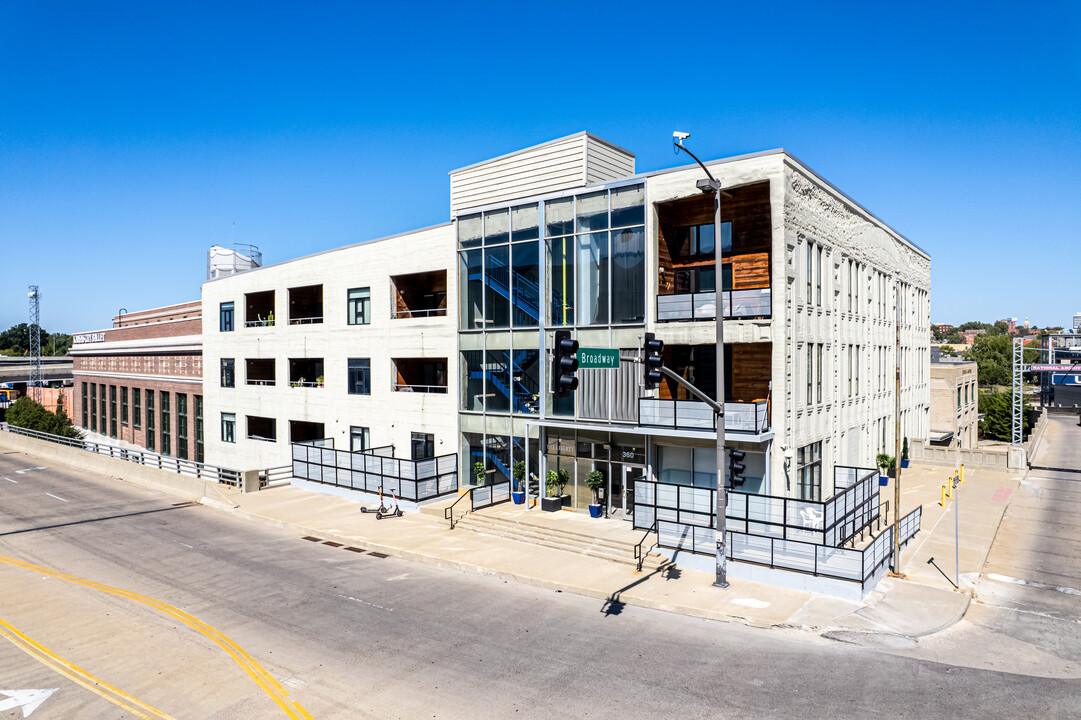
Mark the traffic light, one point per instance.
(565, 364)
(736, 468)
(651, 358)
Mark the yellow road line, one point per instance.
(255, 671)
(75, 673)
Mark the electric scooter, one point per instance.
(383, 512)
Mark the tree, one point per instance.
(994, 357)
(27, 413)
(17, 338)
(997, 411)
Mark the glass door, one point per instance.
(631, 474)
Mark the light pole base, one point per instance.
(721, 584)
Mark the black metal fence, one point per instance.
(414, 480)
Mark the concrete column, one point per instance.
(249, 481)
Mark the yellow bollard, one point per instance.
(949, 487)
(962, 472)
(943, 501)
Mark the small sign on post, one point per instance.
(1043, 367)
(598, 358)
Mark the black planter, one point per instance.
(566, 499)
(551, 504)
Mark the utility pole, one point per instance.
(897, 426)
(714, 185)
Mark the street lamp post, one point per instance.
(706, 185)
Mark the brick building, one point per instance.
(139, 383)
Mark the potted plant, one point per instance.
(884, 463)
(551, 501)
(904, 453)
(595, 481)
(564, 478)
(518, 470)
(479, 472)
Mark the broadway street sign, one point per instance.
(598, 358)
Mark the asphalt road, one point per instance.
(350, 635)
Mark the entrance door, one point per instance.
(631, 473)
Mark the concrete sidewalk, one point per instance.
(924, 602)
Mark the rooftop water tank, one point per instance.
(224, 261)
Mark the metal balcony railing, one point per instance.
(404, 387)
(434, 312)
(703, 306)
(693, 415)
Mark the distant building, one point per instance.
(141, 381)
(954, 402)
(970, 335)
(1077, 322)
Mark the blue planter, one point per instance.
(518, 497)
(904, 463)
(595, 511)
(883, 481)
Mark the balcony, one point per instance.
(259, 309)
(306, 372)
(748, 417)
(259, 371)
(420, 375)
(686, 267)
(703, 306)
(306, 305)
(419, 295)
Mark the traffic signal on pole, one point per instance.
(565, 364)
(651, 358)
(736, 468)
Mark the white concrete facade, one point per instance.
(390, 414)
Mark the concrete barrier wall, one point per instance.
(184, 486)
(1036, 436)
(922, 453)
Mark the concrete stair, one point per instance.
(567, 540)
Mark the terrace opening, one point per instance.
(419, 294)
(259, 309)
(424, 375)
(306, 372)
(303, 431)
(260, 371)
(306, 305)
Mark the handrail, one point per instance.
(427, 312)
(638, 548)
(448, 513)
(431, 389)
(306, 320)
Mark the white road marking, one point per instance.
(10, 480)
(56, 496)
(39, 467)
(1032, 583)
(28, 700)
(403, 576)
(187, 546)
(365, 602)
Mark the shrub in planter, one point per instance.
(518, 470)
(595, 481)
(904, 453)
(479, 472)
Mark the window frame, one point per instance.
(358, 310)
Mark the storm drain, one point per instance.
(312, 539)
(332, 544)
(350, 548)
(378, 554)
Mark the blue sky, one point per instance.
(135, 135)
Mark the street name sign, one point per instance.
(598, 358)
(1036, 367)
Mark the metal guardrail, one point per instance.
(435, 389)
(434, 312)
(275, 474)
(191, 468)
(694, 415)
(414, 480)
(638, 554)
(703, 306)
(306, 320)
(448, 513)
(480, 497)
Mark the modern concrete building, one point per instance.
(139, 383)
(954, 403)
(352, 344)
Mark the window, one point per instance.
(422, 445)
(93, 407)
(818, 375)
(166, 426)
(225, 319)
(810, 372)
(818, 277)
(198, 428)
(136, 407)
(262, 428)
(358, 307)
(149, 419)
(359, 439)
(103, 409)
(359, 381)
(809, 471)
(228, 372)
(810, 271)
(124, 405)
(182, 426)
(228, 427)
(84, 405)
(112, 411)
(958, 398)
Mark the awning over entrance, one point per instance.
(940, 435)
